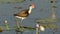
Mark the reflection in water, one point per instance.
(7, 32)
(19, 32)
(16, 32)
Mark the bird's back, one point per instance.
(23, 13)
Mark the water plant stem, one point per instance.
(6, 25)
(37, 31)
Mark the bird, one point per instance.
(25, 13)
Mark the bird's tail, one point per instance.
(15, 14)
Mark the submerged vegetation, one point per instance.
(1, 29)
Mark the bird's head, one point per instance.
(32, 5)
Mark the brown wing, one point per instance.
(22, 13)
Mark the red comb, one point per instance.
(32, 4)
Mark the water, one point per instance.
(42, 10)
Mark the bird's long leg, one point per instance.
(17, 24)
(21, 25)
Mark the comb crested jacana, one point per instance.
(24, 13)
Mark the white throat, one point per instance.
(30, 9)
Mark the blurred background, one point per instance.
(42, 10)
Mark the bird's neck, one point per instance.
(30, 9)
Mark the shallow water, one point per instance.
(42, 10)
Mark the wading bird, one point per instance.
(24, 13)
